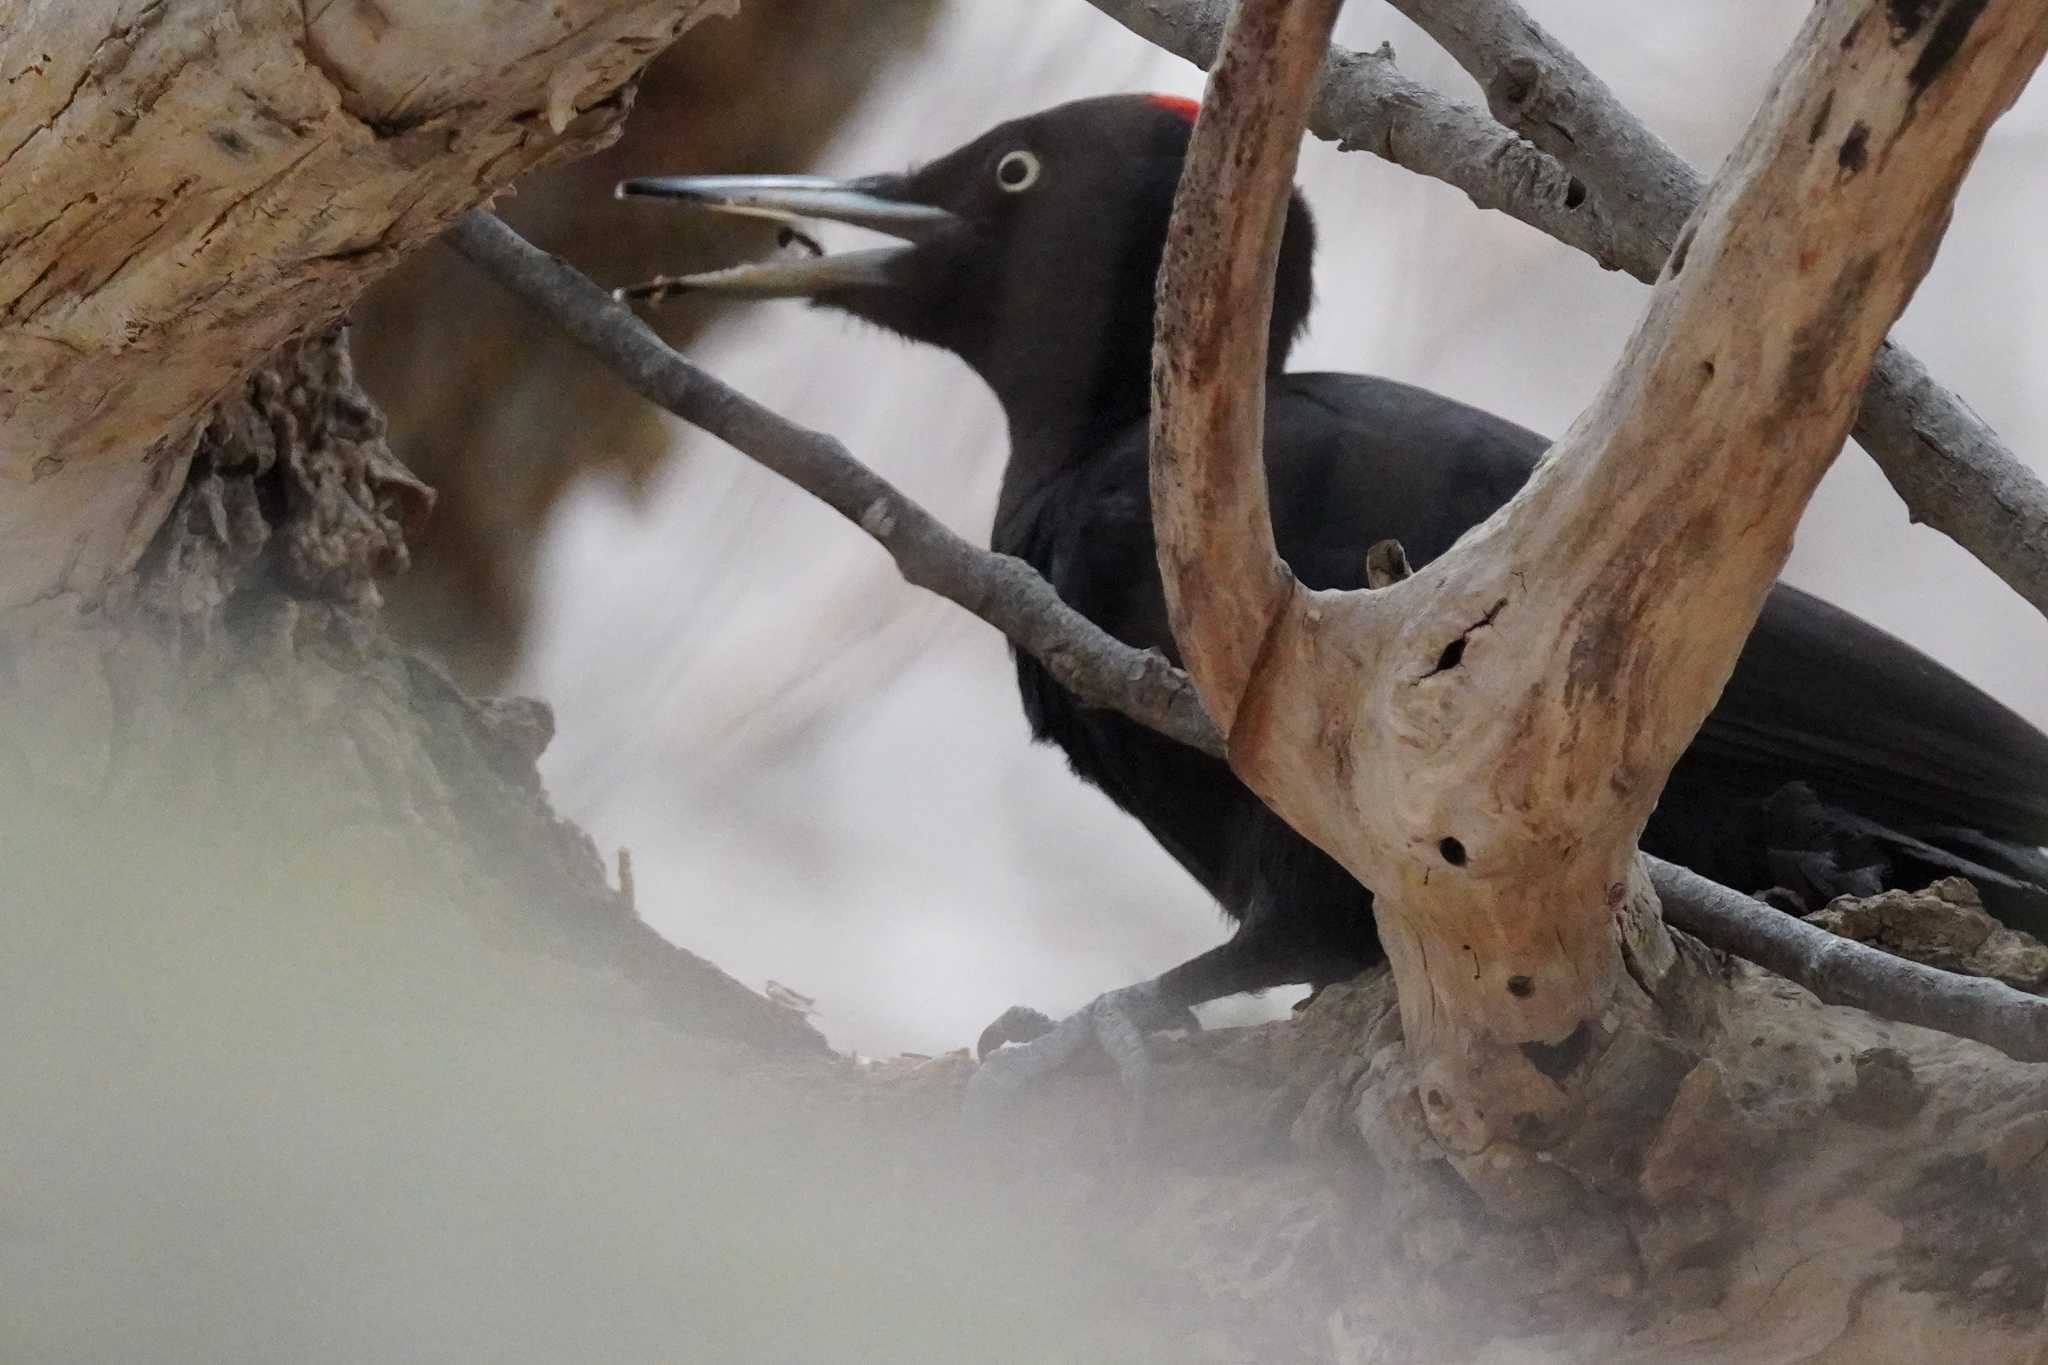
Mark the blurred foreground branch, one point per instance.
(1593, 177)
(1008, 595)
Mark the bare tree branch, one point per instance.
(1225, 582)
(1615, 191)
(1364, 103)
(1001, 589)
(1139, 684)
(1540, 90)
(1493, 807)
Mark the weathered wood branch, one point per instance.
(1008, 595)
(185, 186)
(1943, 460)
(1615, 191)
(1363, 102)
(1493, 807)
(1224, 578)
(1538, 88)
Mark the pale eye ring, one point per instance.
(1018, 171)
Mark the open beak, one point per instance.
(788, 199)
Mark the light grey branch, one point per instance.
(1535, 86)
(1842, 971)
(1364, 103)
(1594, 177)
(1002, 590)
(1009, 595)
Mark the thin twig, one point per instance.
(1007, 594)
(1001, 589)
(1615, 191)
(1363, 102)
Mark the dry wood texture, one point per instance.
(183, 187)
(1493, 801)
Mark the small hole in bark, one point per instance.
(1574, 193)
(1453, 655)
(1521, 987)
(1707, 368)
(1855, 153)
(1453, 851)
(1435, 1099)
(1559, 1060)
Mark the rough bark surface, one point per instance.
(184, 187)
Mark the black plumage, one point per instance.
(1838, 759)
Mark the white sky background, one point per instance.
(822, 773)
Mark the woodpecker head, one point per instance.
(1031, 252)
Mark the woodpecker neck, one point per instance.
(1072, 362)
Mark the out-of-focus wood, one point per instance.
(499, 414)
(185, 186)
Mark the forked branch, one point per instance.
(1494, 807)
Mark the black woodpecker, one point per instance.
(1839, 760)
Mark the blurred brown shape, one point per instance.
(500, 414)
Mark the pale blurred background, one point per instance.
(823, 774)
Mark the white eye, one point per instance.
(1017, 171)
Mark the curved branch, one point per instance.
(1225, 583)
(1106, 672)
(1621, 196)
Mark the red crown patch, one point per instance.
(1179, 104)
